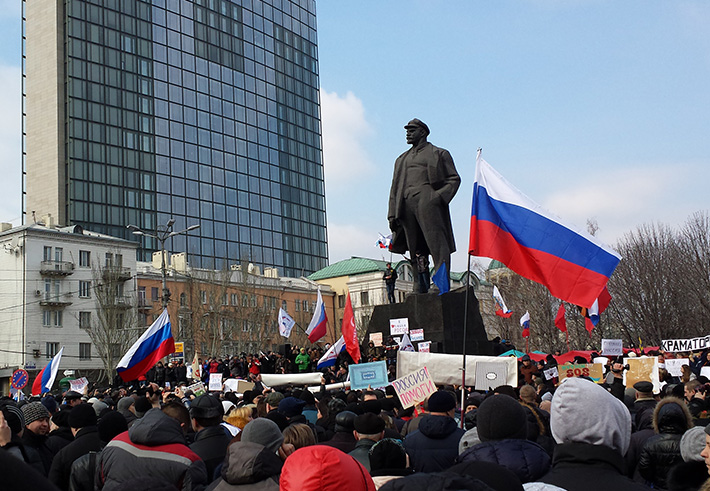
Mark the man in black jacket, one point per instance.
(82, 420)
(210, 438)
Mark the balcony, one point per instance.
(55, 300)
(56, 268)
(144, 303)
(120, 302)
(116, 273)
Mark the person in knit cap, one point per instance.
(369, 429)
(692, 472)
(15, 421)
(592, 429)
(388, 461)
(435, 446)
(82, 420)
(36, 431)
(127, 408)
(502, 429)
(61, 435)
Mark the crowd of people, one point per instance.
(544, 434)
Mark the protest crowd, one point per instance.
(174, 430)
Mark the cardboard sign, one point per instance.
(399, 326)
(79, 384)
(594, 371)
(364, 375)
(198, 389)
(551, 373)
(612, 347)
(237, 385)
(376, 337)
(642, 369)
(490, 375)
(414, 387)
(215, 383)
(424, 347)
(416, 335)
(673, 365)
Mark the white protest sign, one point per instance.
(376, 337)
(490, 375)
(705, 371)
(551, 373)
(612, 347)
(78, 385)
(673, 365)
(414, 387)
(424, 347)
(215, 383)
(399, 326)
(416, 335)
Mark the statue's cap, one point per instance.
(417, 123)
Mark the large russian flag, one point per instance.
(508, 226)
(155, 343)
(318, 326)
(45, 379)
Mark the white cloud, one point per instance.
(11, 144)
(345, 131)
(346, 241)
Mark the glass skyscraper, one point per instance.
(205, 111)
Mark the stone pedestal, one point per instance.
(441, 317)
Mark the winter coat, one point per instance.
(210, 445)
(59, 438)
(154, 446)
(38, 444)
(81, 476)
(644, 430)
(342, 440)
(671, 419)
(86, 440)
(687, 476)
(249, 467)
(528, 460)
(587, 467)
(361, 453)
(321, 468)
(435, 446)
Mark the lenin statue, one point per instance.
(424, 183)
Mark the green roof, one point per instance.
(349, 267)
(496, 265)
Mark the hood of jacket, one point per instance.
(322, 468)
(156, 428)
(437, 427)
(671, 416)
(248, 463)
(583, 412)
(526, 459)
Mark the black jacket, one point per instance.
(586, 467)
(86, 440)
(249, 466)
(528, 460)
(211, 446)
(435, 446)
(59, 438)
(342, 440)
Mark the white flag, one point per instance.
(406, 344)
(286, 323)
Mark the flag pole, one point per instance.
(567, 339)
(465, 325)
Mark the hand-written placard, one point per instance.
(424, 347)
(78, 385)
(612, 347)
(673, 365)
(416, 335)
(197, 388)
(594, 371)
(364, 375)
(399, 326)
(642, 369)
(376, 337)
(551, 373)
(215, 383)
(414, 388)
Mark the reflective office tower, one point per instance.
(205, 111)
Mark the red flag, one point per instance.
(560, 318)
(350, 332)
(588, 325)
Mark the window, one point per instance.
(254, 301)
(154, 293)
(109, 259)
(84, 289)
(85, 259)
(234, 299)
(245, 300)
(297, 305)
(46, 318)
(203, 296)
(58, 254)
(141, 296)
(284, 305)
(47, 253)
(183, 300)
(245, 325)
(364, 298)
(51, 349)
(84, 351)
(84, 320)
(341, 301)
(224, 299)
(305, 305)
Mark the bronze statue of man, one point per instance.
(424, 183)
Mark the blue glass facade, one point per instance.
(205, 111)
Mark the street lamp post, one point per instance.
(162, 233)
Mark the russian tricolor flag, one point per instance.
(525, 324)
(155, 343)
(328, 359)
(319, 323)
(508, 226)
(45, 379)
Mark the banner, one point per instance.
(445, 369)
(612, 347)
(281, 379)
(399, 326)
(414, 388)
(594, 371)
(364, 375)
(694, 344)
(416, 335)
